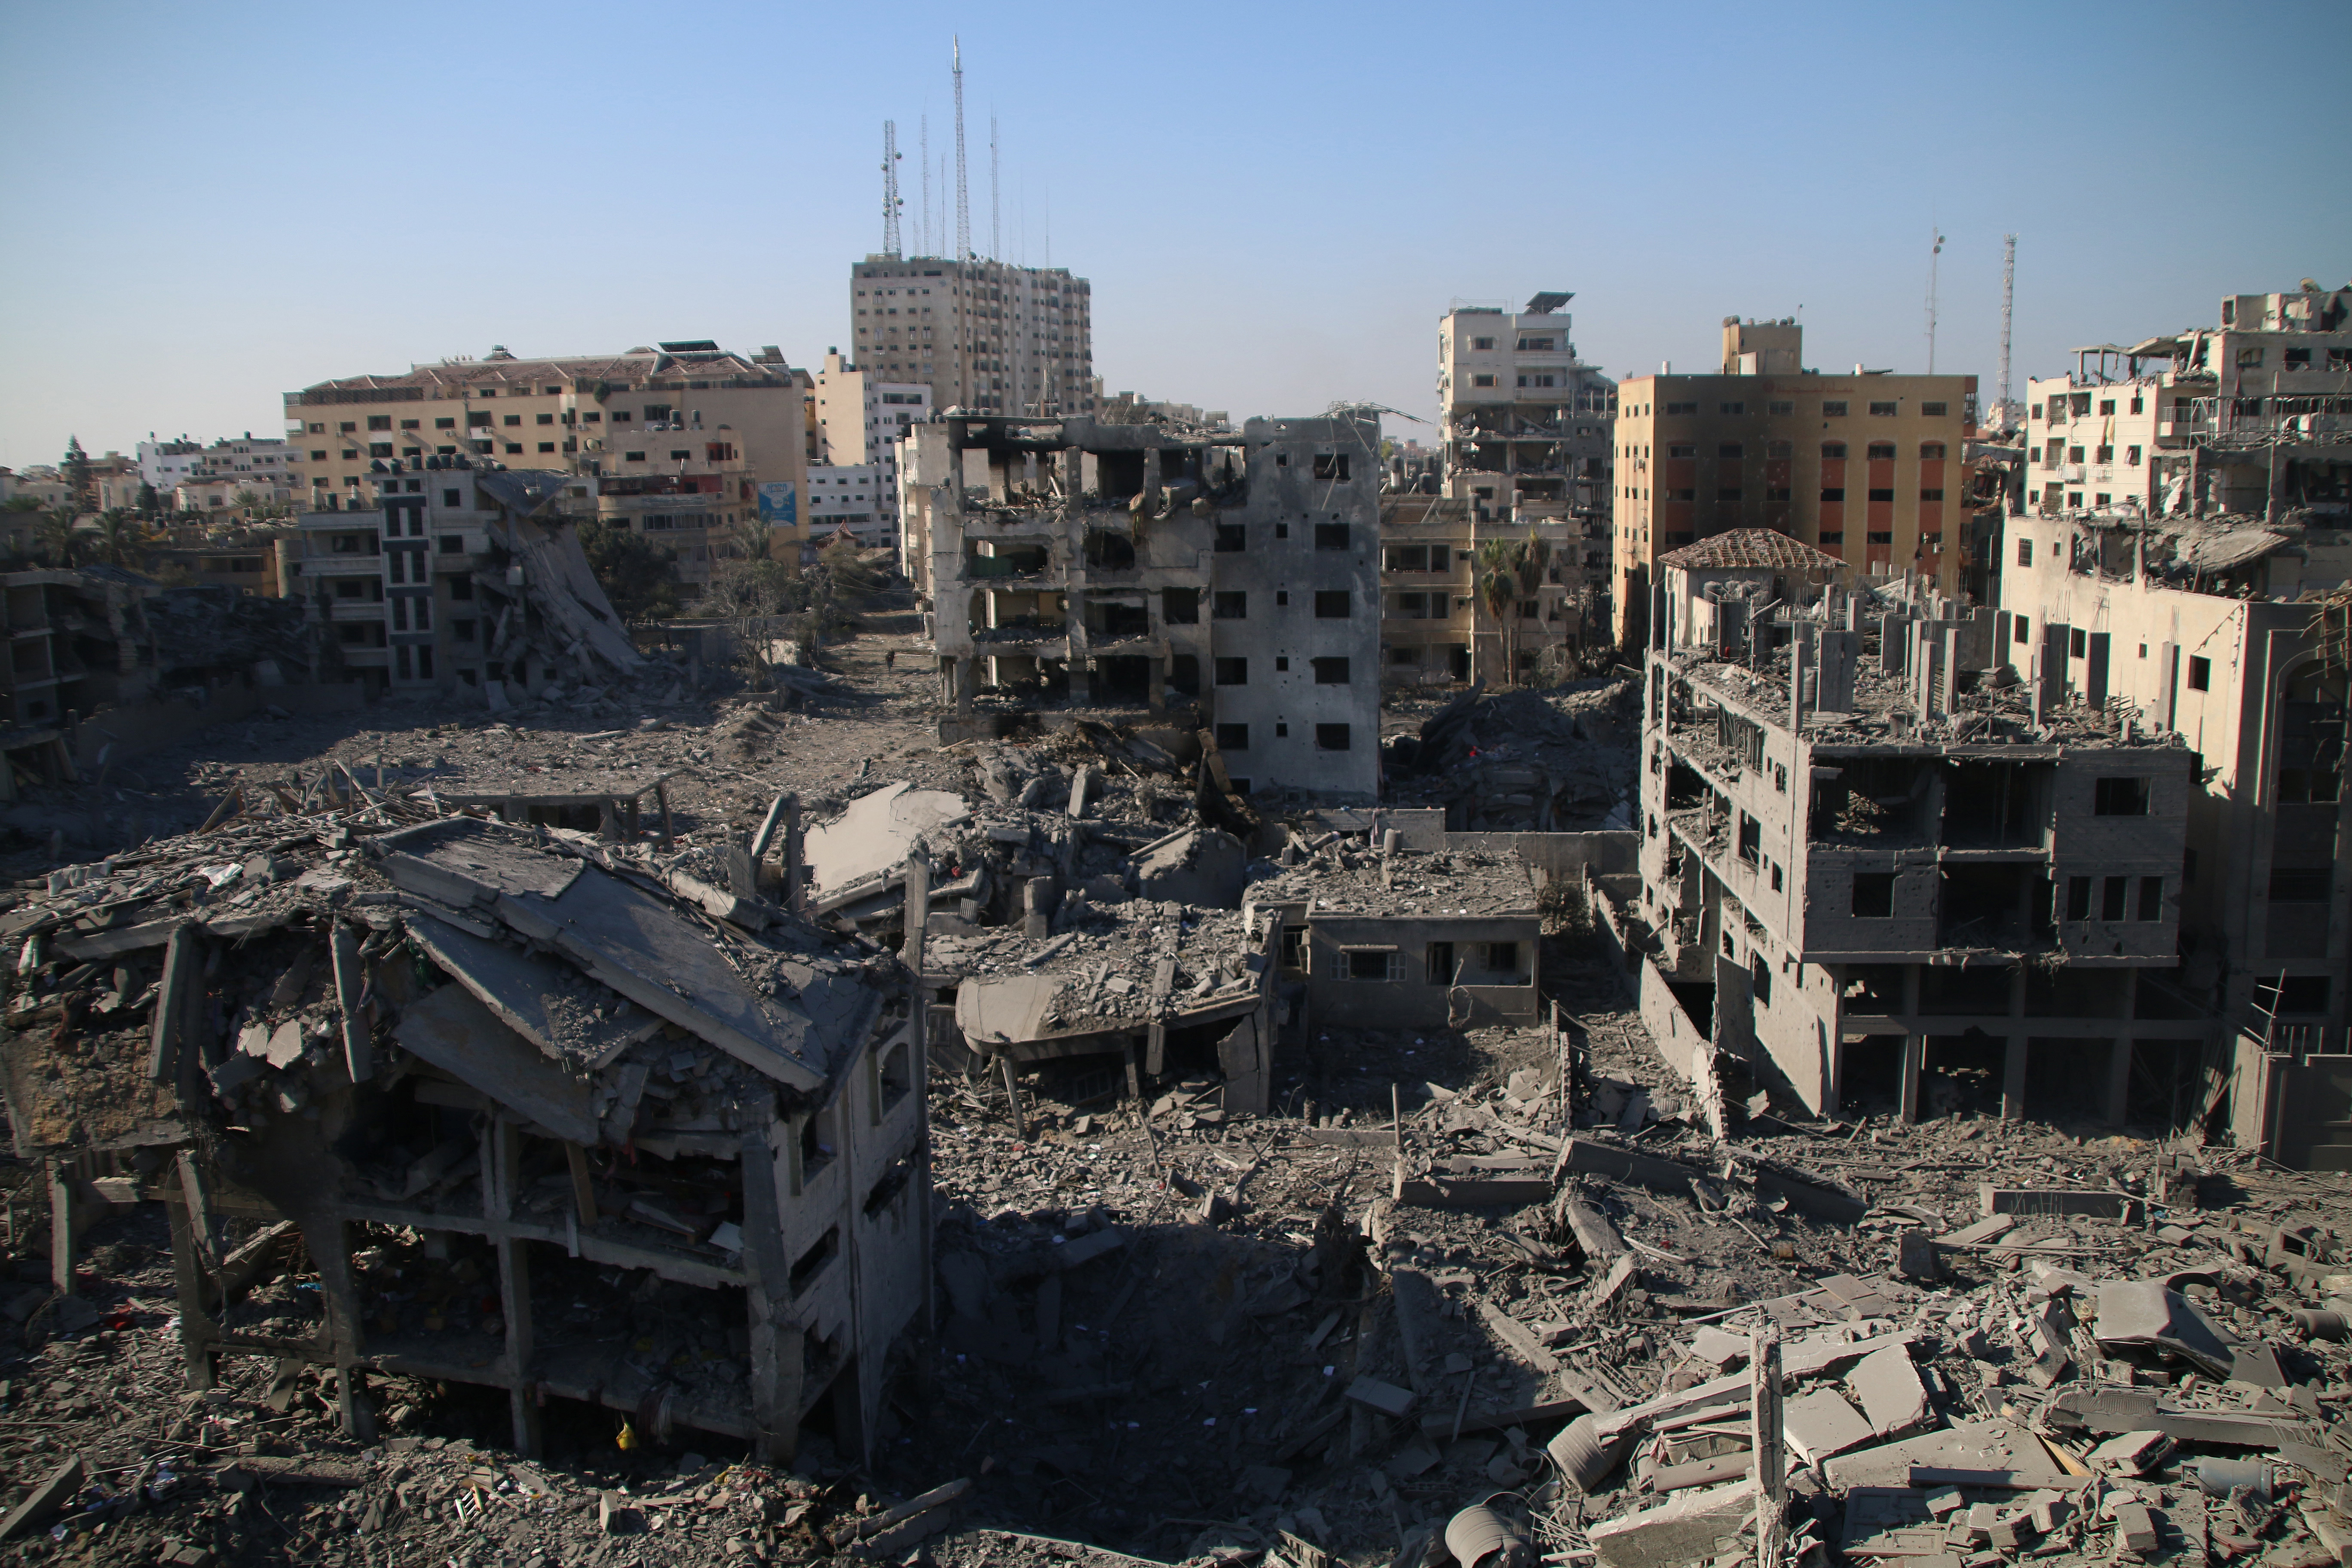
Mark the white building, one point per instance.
(851, 495)
(2249, 418)
(262, 464)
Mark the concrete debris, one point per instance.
(709, 1133)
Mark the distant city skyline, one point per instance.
(1273, 217)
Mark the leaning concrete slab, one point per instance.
(1682, 1531)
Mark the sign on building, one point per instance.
(779, 503)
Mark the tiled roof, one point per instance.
(1751, 547)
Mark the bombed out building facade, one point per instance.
(1888, 849)
(1226, 578)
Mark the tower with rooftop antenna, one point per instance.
(963, 185)
(890, 202)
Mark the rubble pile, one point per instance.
(1556, 760)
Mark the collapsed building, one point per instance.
(1876, 861)
(539, 1112)
(1161, 569)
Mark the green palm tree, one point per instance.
(121, 534)
(53, 534)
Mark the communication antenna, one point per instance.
(963, 189)
(996, 207)
(925, 242)
(1934, 257)
(890, 202)
(2008, 310)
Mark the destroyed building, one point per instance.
(1160, 569)
(2247, 417)
(464, 582)
(2210, 628)
(542, 1114)
(1876, 858)
(1438, 626)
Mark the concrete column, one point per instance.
(1914, 1046)
(2013, 1079)
(967, 680)
(2119, 1082)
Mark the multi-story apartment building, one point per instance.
(849, 498)
(1527, 423)
(394, 584)
(862, 419)
(2253, 416)
(652, 415)
(985, 336)
(2205, 630)
(1437, 624)
(1140, 564)
(272, 468)
(1870, 864)
(1867, 467)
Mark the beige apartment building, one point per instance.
(1867, 467)
(2253, 416)
(1436, 628)
(982, 335)
(706, 434)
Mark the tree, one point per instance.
(1511, 572)
(150, 503)
(54, 535)
(635, 574)
(121, 536)
(81, 486)
(853, 581)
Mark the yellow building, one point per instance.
(631, 424)
(1867, 467)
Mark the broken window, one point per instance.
(2078, 898)
(1332, 738)
(1882, 451)
(1233, 672)
(1751, 839)
(1873, 895)
(2114, 894)
(1233, 737)
(1331, 604)
(1332, 465)
(1439, 956)
(1180, 606)
(2201, 673)
(1229, 605)
(1883, 410)
(1374, 964)
(1232, 537)
(2119, 796)
(1834, 409)
(893, 1081)
(2151, 899)
(1109, 552)
(1503, 958)
(2024, 558)
(1185, 674)
(1331, 671)
(1330, 536)
(812, 1263)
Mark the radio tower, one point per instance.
(891, 202)
(2008, 306)
(995, 208)
(926, 243)
(963, 187)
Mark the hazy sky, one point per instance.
(210, 206)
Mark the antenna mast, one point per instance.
(996, 207)
(890, 202)
(2008, 308)
(963, 190)
(923, 241)
(1934, 257)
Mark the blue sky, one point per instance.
(211, 205)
